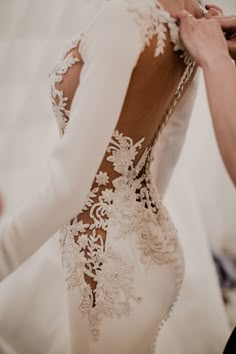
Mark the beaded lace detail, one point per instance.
(132, 200)
(112, 271)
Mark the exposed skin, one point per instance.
(206, 42)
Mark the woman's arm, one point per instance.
(220, 80)
(205, 41)
(110, 50)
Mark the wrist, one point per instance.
(216, 62)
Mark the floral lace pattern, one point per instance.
(58, 100)
(152, 20)
(87, 256)
(112, 272)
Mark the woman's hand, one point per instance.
(213, 11)
(203, 38)
(228, 25)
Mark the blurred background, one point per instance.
(201, 196)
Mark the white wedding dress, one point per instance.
(121, 254)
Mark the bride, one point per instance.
(122, 258)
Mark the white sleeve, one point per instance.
(110, 50)
(171, 141)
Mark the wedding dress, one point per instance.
(121, 255)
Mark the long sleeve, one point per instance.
(110, 50)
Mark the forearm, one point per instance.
(220, 78)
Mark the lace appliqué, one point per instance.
(130, 210)
(109, 268)
(58, 100)
(152, 19)
(137, 203)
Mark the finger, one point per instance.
(183, 14)
(233, 38)
(231, 46)
(187, 21)
(214, 12)
(232, 49)
(227, 22)
(208, 7)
